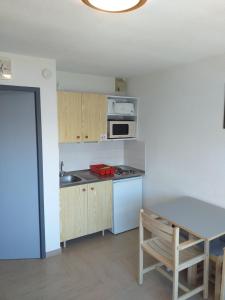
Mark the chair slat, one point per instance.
(157, 228)
(162, 248)
(157, 223)
(158, 255)
(157, 232)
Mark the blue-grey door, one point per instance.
(19, 177)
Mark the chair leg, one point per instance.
(218, 277)
(140, 277)
(206, 270)
(175, 284)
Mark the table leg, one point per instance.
(206, 270)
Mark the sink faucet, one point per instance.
(61, 172)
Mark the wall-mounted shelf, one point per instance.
(122, 118)
(125, 139)
(115, 101)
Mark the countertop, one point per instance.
(87, 176)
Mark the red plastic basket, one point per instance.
(103, 170)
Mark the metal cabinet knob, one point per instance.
(92, 188)
(78, 137)
(84, 190)
(86, 136)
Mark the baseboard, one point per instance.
(53, 252)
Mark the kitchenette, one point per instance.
(100, 170)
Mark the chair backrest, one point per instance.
(156, 226)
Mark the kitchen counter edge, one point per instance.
(139, 173)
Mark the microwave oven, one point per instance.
(121, 129)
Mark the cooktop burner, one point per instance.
(121, 171)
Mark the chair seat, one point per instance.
(163, 251)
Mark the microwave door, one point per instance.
(120, 130)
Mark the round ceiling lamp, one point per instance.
(115, 6)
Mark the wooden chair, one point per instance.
(222, 294)
(164, 246)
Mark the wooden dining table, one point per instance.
(198, 218)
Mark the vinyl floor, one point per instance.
(90, 268)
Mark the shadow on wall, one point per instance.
(134, 154)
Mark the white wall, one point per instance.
(80, 156)
(134, 154)
(181, 117)
(27, 72)
(85, 83)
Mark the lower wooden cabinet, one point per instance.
(85, 209)
(99, 206)
(73, 212)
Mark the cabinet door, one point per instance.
(107, 205)
(69, 117)
(94, 117)
(99, 206)
(73, 212)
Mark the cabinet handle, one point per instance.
(84, 190)
(92, 188)
(86, 136)
(78, 137)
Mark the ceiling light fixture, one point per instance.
(115, 6)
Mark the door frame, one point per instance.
(37, 100)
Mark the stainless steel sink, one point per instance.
(69, 179)
(89, 176)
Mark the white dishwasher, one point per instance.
(127, 202)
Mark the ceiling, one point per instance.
(161, 34)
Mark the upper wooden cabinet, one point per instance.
(94, 117)
(82, 117)
(70, 117)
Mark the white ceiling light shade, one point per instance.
(115, 6)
